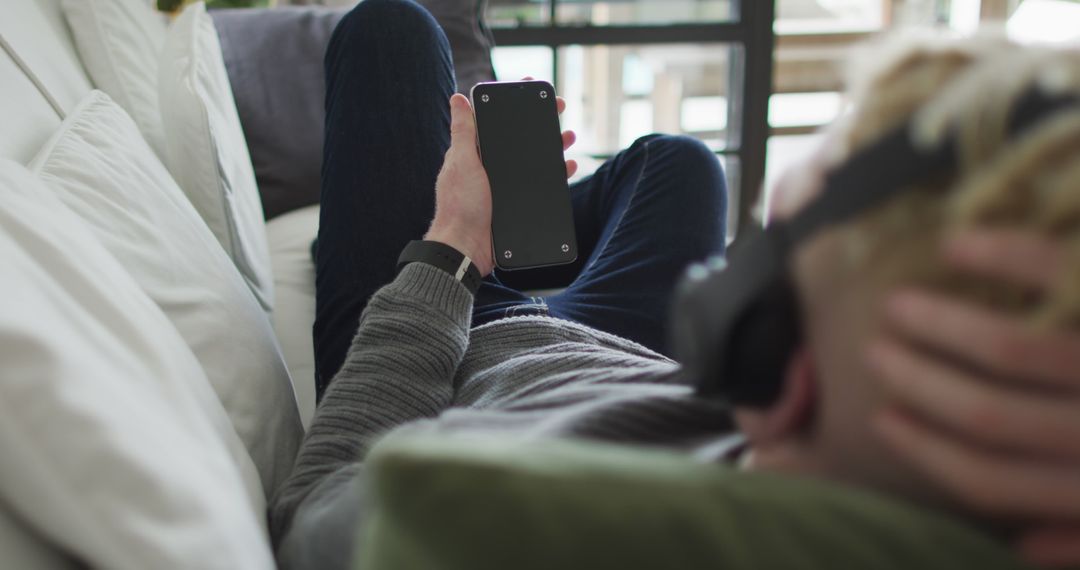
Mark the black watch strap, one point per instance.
(444, 257)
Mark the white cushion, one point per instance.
(207, 152)
(100, 168)
(294, 305)
(24, 548)
(120, 42)
(37, 34)
(114, 446)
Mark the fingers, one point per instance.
(1008, 254)
(1052, 547)
(980, 411)
(997, 344)
(996, 486)
(462, 123)
(568, 140)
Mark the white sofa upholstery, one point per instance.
(42, 80)
(36, 32)
(294, 293)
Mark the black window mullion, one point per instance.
(555, 63)
(758, 16)
(553, 12)
(598, 35)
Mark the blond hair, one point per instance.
(942, 84)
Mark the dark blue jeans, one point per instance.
(641, 219)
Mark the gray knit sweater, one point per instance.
(416, 365)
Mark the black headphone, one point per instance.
(736, 324)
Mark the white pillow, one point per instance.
(24, 548)
(207, 152)
(104, 172)
(120, 43)
(114, 446)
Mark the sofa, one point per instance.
(224, 306)
(225, 393)
(232, 324)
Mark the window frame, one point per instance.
(751, 40)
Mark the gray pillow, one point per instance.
(470, 38)
(275, 63)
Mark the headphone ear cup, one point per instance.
(734, 329)
(761, 345)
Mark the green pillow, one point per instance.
(466, 503)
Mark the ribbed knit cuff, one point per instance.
(436, 288)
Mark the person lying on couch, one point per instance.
(430, 354)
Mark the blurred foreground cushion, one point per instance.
(468, 503)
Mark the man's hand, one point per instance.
(463, 193)
(1004, 441)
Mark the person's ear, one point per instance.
(793, 412)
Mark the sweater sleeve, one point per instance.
(400, 368)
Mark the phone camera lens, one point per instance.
(485, 98)
(543, 95)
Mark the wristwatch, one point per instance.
(444, 257)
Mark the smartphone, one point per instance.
(520, 143)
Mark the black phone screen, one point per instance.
(521, 147)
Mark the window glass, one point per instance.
(643, 12)
(518, 13)
(812, 16)
(804, 109)
(1039, 21)
(514, 63)
(785, 153)
(618, 93)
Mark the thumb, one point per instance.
(462, 123)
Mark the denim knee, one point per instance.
(398, 21)
(403, 15)
(682, 151)
(692, 168)
(688, 152)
